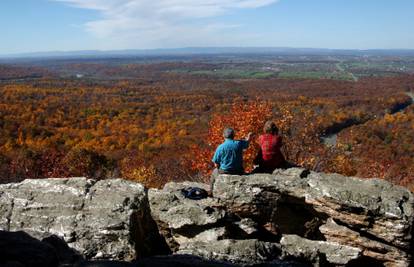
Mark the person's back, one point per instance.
(270, 156)
(229, 156)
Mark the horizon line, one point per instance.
(258, 48)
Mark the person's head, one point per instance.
(228, 133)
(270, 128)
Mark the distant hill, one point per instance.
(213, 50)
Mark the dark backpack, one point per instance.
(194, 193)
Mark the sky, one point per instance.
(70, 25)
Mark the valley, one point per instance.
(158, 119)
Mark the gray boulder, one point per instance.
(372, 206)
(276, 219)
(376, 213)
(181, 261)
(243, 252)
(389, 255)
(204, 228)
(275, 202)
(181, 220)
(194, 261)
(319, 253)
(107, 219)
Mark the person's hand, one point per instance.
(250, 136)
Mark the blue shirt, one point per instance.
(229, 155)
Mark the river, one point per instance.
(330, 140)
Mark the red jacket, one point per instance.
(271, 156)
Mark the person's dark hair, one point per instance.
(228, 133)
(270, 128)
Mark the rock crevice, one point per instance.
(289, 218)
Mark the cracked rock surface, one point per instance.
(371, 216)
(100, 219)
(292, 217)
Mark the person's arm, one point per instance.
(247, 140)
(216, 158)
(249, 137)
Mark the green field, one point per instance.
(253, 74)
(315, 75)
(341, 69)
(231, 73)
(228, 73)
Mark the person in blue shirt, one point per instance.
(228, 158)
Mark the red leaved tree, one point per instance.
(243, 117)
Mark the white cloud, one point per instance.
(163, 23)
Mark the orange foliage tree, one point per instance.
(298, 124)
(143, 129)
(243, 117)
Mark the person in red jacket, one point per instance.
(270, 157)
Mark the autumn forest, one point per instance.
(154, 122)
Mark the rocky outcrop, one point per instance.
(181, 220)
(107, 219)
(373, 207)
(319, 253)
(289, 218)
(194, 261)
(320, 219)
(243, 252)
(371, 248)
(372, 215)
(18, 249)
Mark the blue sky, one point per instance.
(49, 25)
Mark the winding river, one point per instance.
(330, 140)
